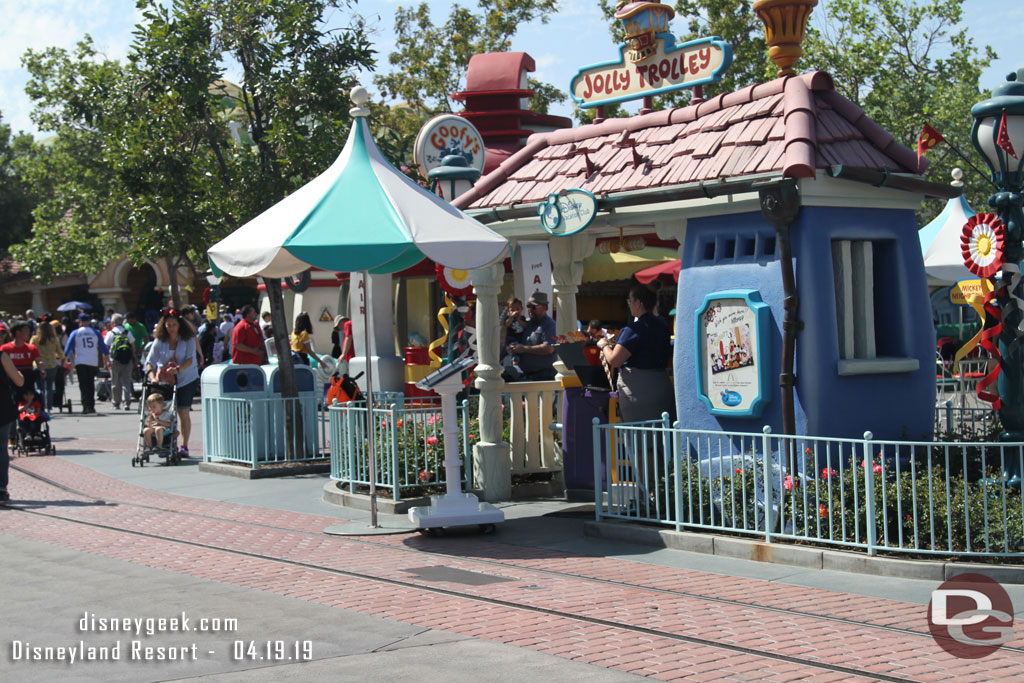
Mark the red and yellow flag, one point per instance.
(929, 138)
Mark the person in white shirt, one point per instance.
(226, 328)
(122, 360)
(88, 349)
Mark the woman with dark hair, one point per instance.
(172, 359)
(301, 345)
(642, 355)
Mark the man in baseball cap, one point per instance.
(536, 354)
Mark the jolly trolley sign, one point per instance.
(650, 62)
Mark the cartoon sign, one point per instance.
(733, 353)
(567, 212)
(446, 135)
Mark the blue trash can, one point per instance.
(305, 409)
(234, 413)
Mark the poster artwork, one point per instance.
(728, 354)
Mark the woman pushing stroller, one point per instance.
(172, 360)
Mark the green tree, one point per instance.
(906, 64)
(77, 228)
(16, 196)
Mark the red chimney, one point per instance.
(496, 99)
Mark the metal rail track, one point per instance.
(493, 601)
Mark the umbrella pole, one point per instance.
(372, 420)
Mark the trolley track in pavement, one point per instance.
(610, 623)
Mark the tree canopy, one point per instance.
(160, 156)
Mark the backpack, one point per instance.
(121, 348)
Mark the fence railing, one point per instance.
(900, 496)
(254, 431)
(533, 408)
(965, 420)
(409, 446)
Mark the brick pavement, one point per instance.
(556, 581)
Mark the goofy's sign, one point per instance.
(650, 62)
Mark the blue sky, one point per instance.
(576, 37)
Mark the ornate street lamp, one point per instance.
(453, 177)
(998, 135)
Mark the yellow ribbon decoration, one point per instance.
(442, 317)
(977, 302)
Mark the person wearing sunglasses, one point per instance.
(536, 354)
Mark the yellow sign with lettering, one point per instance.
(962, 292)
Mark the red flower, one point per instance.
(808, 451)
(827, 473)
(471, 436)
(425, 475)
(399, 423)
(430, 420)
(431, 440)
(788, 483)
(739, 470)
(822, 510)
(877, 468)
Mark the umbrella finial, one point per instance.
(359, 98)
(957, 175)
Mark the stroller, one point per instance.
(34, 438)
(166, 441)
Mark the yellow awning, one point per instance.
(621, 265)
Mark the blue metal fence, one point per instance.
(254, 431)
(409, 444)
(903, 496)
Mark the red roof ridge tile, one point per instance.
(818, 80)
(801, 138)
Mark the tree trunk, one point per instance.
(172, 272)
(295, 441)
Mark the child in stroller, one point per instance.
(33, 424)
(159, 434)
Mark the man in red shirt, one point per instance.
(24, 355)
(247, 339)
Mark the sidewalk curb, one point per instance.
(245, 472)
(359, 501)
(797, 556)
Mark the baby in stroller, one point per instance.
(33, 430)
(159, 427)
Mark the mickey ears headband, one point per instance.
(170, 313)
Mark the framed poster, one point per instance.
(733, 347)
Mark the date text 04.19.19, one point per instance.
(272, 650)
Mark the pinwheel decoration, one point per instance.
(455, 281)
(982, 243)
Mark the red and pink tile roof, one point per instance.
(793, 126)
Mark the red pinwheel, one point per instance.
(454, 281)
(982, 244)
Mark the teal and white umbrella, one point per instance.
(361, 214)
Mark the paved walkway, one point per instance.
(90, 536)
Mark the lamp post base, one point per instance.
(454, 509)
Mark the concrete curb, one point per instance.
(246, 472)
(798, 556)
(360, 501)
